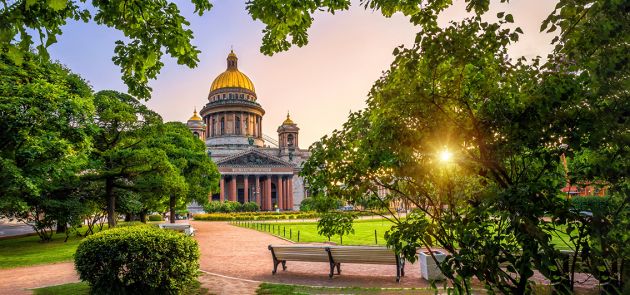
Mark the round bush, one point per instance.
(138, 260)
(155, 217)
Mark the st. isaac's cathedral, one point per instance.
(254, 167)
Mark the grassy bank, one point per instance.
(27, 251)
(364, 232)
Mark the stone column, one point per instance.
(233, 189)
(222, 189)
(234, 123)
(268, 193)
(279, 191)
(208, 121)
(285, 183)
(260, 128)
(257, 189)
(290, 194)
(246, 188)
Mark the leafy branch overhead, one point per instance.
(151, 28)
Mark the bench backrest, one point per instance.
(367, 255)
(300, 253)
(174, 226)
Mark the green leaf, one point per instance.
(15, 55)
(509, 18)
(57, 4)
(29, 3)
(500, 14)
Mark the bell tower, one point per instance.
(288, 134)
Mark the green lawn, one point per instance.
(82, 288)
(363, 235)
(363, 232)
(26, 251)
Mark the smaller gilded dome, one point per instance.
(288, 120)
(195, 117)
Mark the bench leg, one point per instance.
(275, 266)
(284, 265)
(402, 269)
(338, 268)
(332, 270)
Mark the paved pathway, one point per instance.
(19, 280)
(9, 229)
(242, 253)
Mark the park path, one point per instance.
(18, 280)
(242, 253)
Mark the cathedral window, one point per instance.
(222, 125)
(290, 140)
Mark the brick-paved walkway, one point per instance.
(19, 280)
(242, 253)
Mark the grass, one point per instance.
(82, 288)
(27, 251)
(279, 289)
(363, 232)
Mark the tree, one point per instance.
(335, 223)
(152, 28)
(506, 122)
(120, 155)
(195, 174)
(46, 114)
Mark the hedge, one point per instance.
(155, 217)
(138, 260)
(230, 206)
(267, 215)
(254, 216)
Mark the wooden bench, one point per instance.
(336, 255)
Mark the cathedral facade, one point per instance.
(254, 167)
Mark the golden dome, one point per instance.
(195, 117)
(232, 77)
(288, 121)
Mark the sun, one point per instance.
(446, 156)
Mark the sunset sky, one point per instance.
(319, 83)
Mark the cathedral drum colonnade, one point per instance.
(253, 167)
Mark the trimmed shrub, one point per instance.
(138, 260)
(250, 207)
(598, 205)
(231, 206)
(255, 216)
(155, 217)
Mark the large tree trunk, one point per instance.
(143, 216)
(111, 202)
(172, 208)
(61, 227)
